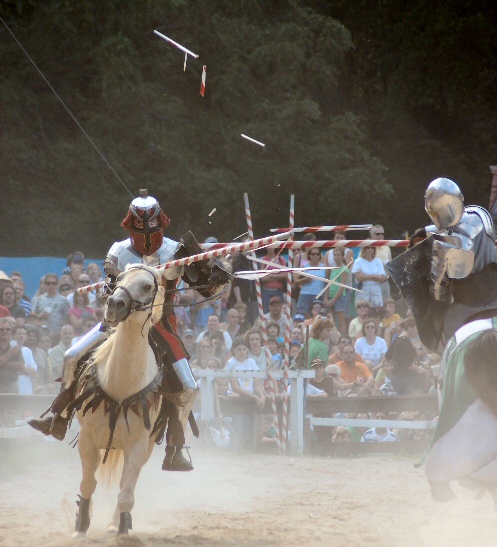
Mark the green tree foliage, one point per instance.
(274, 71)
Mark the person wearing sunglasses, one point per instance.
(51, 308)
(310, 287)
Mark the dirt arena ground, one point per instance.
(241, 499)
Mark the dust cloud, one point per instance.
(240, 499)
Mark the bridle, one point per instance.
(138, 305)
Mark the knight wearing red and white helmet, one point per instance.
(147, 245)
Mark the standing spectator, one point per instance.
(336, 298)
(310, 288)
(56, 354)
(384, 254)
(232, 325)
(94, 273)
(188, 339)
(372, 348)
(11, 361)
(81, 304)
(370, 272)
(363, 310)
(83, 281)
(66, 286)
(318, 343)
(74, 260)
(52, 308)
(5, 280)
(244, 323)
(39, 355)
(28, 379)
(8, 299)
(219, 346)
(273, 285)
(329, 257)
(21, 299)
(275, 314)
(243, 290)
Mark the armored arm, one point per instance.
(205, 276)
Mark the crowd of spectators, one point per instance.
(360, 342)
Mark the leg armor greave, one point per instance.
(184, 372)
(80, 348)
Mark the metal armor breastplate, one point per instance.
(123, 253)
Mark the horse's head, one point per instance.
(138, 291)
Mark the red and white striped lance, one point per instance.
(313, 229)
(202, 83)
(325, 244)
(91, 288)
(240, 247)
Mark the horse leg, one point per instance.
(134, 459)
(89, 462)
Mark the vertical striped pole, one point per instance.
(286, 360)
(269, 360)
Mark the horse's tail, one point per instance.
(110, 472)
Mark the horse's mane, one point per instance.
(102, 353)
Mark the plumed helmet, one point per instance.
(145, 222)
(444, 203)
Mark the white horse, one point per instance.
(122, 380)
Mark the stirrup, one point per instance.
(176, 462)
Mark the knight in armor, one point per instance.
(147, 245)
(450, 278)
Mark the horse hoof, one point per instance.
(79, 535)
(112, 529)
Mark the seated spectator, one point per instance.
(313, 313)
(273, 330)
(8, 299)
(363, 309)
(298, 321)
(51, 308)
(390, 320)
(219, 346)
(213, 325)
(256, 349)
(276, 357)
(81, 304)
(204, 353)
(296, 335)
(372, 348)
(370, 272)
(318, 343)
(309, 286)
(11, 361)
(295, 348)
(338, 355)
(410, 330)
(245, 387)
(56, 354)
(354, 372)
(381, 331)
(383, 380)
(324, 383)
(341, 435)
(379, 434)
(402, 355)
(28, 379)
(356, 432)
(88, 321)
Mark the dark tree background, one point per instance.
(361, 104)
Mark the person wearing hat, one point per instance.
(5, 280)
(275, 314)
